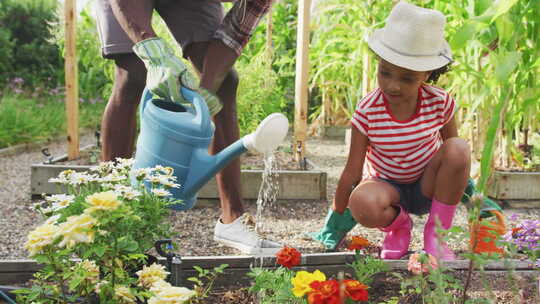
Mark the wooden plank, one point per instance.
(514, 185)
(301, 81)
(72, 88)
(323, 261)
(309, 185)
(523, 204)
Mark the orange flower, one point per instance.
(325, 292)
(416, 267)
(288, 257)
(515, 231)
(358, 243)
(356, 290)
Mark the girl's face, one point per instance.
(399, 85)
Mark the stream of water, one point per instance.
(268, 190)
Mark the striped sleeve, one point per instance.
(449, 108)
(360, 120)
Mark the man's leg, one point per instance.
(227, 132)
(119, 118)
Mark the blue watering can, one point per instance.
(178, 136)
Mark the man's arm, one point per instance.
(231, 37)
(135, 17)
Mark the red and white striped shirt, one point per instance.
(400, 150)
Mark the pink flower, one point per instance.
(422, 263)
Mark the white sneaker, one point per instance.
(243, 238)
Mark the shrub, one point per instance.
(25, 41)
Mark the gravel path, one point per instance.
(286, 222)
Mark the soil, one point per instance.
(387, 286)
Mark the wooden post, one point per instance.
(72, 90)
(301, 89)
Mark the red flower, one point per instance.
(356, 290)
(358, 243)
(326, 292)
(288, 257)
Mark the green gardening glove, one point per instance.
(336, 227)
(166, 73)
(487, 205)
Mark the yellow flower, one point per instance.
(302, 280)
(164, 293)
(92, 269)
(124, 295)
(102, 201)
(151, 274)
(40, 237)
(77, 229)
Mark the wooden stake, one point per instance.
(302, 69)
(72, 90)
(365, 72)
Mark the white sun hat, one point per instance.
(413, 38)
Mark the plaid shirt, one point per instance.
(240, 22)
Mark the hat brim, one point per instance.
(414, 63)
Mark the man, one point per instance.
(212, 43)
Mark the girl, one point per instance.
(404, 138)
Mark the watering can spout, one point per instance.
(269, 134)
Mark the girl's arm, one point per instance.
(352, 173)
(449, 130)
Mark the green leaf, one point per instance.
(505, 28)
(487, 152)
(506, 63)
(99, 251)
(501, 7)
(463, 35)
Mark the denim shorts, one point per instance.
(411, 197)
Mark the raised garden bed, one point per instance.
(293, 182)
(517, 189)
(230, 286)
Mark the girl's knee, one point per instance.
(367, 209)
(457, 152)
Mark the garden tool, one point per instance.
(483, 235)
(444, 214)
(398, 236)
(166, 73)
(488, 205)
(174, 261)
(336, 227)
(178, 136)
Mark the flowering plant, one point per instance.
(284, 285)
(365, 266)
(525, 238)
(95, 237)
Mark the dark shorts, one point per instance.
(188, 21)
(411, 197)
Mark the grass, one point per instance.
(25, 118)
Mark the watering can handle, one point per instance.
(499, 216)
(202, 114)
